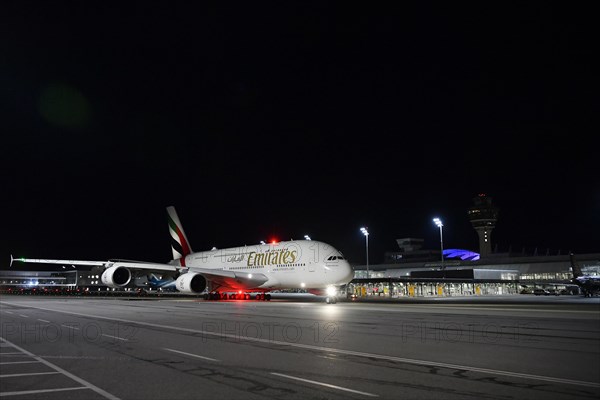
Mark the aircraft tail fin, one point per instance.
(575, 268)
(179, 242)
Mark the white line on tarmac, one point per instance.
(77, 379)
(115, 337)
(417, 308)
(2, 394)
(190, 354)
(18, 362)
(70, 327)
(24, 316)
(324, 384)
(43, 320)
(30, 374)
(332, 350)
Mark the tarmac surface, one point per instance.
(182, 348)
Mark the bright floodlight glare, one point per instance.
(262, 242)
(307, 237)
(366, 233)
(331, 290)
(438, 222)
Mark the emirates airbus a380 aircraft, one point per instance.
(234, 272)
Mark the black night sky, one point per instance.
(262, 120)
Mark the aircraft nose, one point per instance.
(347, 271)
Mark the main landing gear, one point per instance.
(331, 300)
(237, 296)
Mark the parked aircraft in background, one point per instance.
(589, 284)
(155, 282)
(238, 272)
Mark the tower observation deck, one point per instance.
(483, 216)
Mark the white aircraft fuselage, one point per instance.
(293, 264)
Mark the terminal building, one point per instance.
(415, 271)
(40, 281)
(464, 273)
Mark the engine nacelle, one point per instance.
(116, 276)
(191, 283)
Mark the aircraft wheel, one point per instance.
(268, 297)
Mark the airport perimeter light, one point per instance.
(307, 237)
(366, 233)
(439, 223)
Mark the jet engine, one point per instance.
(116, 276)
(191, 283)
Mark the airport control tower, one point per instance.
(483, 216)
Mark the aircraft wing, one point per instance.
(217, 277)
(231, 279)
(109, 263)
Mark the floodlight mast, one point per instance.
(439, 223)
(366, 233)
